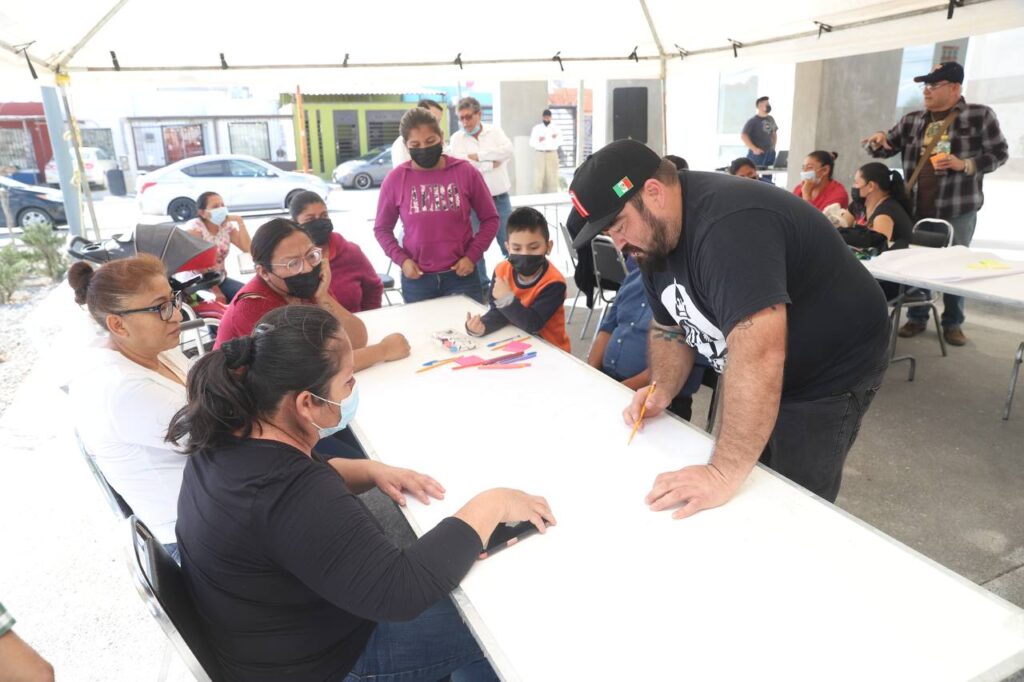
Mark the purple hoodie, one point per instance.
(434, 207)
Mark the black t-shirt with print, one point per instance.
(748, 245)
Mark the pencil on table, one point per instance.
(643, 410)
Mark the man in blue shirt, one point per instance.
(620, 348)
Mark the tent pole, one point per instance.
(664, 106)
(55, 131)
(581, 98)
(300, 123)
(63, 80)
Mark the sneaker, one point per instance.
(954, 336)
(912, 328)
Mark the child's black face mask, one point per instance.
(526, 265)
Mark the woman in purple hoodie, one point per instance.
(433, 194)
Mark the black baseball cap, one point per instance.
(946, 71)
(606, 181)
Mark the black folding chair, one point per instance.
(609, 271)
(162, 587)
(572, 257)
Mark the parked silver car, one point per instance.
(366, 171)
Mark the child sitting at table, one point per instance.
(528, 290)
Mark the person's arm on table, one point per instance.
(361, 475)
(638, 381)
(753, 389)
(596, 357)
(318, 531)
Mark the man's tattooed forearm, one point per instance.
(663, 334)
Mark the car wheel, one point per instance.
(34, 216)
(363, 181)
(182, 209)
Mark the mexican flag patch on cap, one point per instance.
(622, 186)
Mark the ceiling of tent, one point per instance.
(512, 40)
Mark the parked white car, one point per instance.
(97, 162)
(245, 183)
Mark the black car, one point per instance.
(32, 204)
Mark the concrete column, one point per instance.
(521, 104)
(837, 103)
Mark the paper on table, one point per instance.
(951, 264)
(515, 346)
(469, 360)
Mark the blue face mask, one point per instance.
(347, 407)
(474, 131)
(218, 215)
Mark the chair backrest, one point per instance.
(568, 243)
(609, 265)
(933, 233)
(121, 509)
(161, 585)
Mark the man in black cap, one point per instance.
(760, 283)
(947, 149)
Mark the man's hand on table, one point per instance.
(696, 487)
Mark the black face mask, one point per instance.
(526, 266)
(319, 230)
(768, 108)
(426, 157)
(304, 285)
(547, 123)
(855, 194)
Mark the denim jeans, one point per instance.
(432, 646)
(812, 437)
(441, 284)
(765, 159)
(952, 306)
(503, 203)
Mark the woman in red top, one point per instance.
(816, 183)
(354, 283)
(289, 270)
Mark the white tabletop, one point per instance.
(894, 266)
(777, 584)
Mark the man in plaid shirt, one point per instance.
(948, 187)
(19, 661)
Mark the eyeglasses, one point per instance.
(929, 87)
(165, 309)
(469, 116)
(294, 265)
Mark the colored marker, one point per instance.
(528, 356)
(492, 361)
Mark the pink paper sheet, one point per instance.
(515, 347)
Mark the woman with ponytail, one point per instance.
(816, 184)
(131, 383)
(886, 205)
(291, 575)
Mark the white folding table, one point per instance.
(925, 268)
(776, 584)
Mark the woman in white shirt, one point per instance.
(131, 383)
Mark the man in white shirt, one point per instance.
(399, 153)
(489, 150)
(545, 140)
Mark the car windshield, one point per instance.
(372, 154)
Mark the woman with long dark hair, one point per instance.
(291, 575)
(886, 204)
(290, 269)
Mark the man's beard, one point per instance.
(654, 258)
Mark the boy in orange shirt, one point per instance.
(528, 290)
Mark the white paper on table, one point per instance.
(952, 264)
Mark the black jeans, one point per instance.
(812, 437)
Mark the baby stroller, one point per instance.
(182, 254)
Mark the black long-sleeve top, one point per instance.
(530, 319)
(289, 570)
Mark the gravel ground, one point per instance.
(17, 352)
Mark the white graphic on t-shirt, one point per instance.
(700, 333)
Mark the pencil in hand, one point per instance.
(643, 410)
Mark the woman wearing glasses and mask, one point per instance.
(131, 383)
(290, 269)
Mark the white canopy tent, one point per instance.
(378, 42)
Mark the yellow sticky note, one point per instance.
(988, 264)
